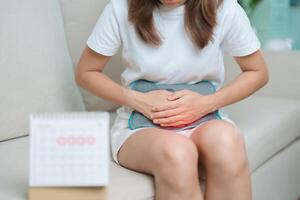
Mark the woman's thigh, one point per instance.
(146, 149)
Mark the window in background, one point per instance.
(277, 22)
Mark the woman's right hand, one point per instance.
(151, 99)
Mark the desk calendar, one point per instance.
(69, 149)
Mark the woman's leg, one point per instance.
(222, 150)
(171, 158)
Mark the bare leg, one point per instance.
(222, 150)
(171, 158)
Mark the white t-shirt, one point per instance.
(177, 60)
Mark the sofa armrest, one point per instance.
(284, 74)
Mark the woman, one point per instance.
(177, 41)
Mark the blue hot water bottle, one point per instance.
(138, 120)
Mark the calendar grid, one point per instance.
(69, 149)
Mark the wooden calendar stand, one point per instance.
(67, 193)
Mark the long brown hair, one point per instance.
(199, 20)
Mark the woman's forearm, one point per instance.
(101, 85)
(241, 87)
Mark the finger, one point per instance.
(166, 106)
(168, 119)
(166, 113)
(176, 95)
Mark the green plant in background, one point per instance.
(249, 5)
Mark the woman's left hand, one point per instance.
(184, 107)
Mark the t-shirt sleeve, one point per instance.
(239, 38)
(105, 37)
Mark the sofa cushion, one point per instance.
(36, 68)
(268, 124)
(284, 70)
(79, 19)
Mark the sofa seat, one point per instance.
(266, 133)
(269, 124)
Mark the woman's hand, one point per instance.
(183, 107)
(152, 99)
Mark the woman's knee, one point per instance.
(176, 152)
(177, 159)
(222, 145)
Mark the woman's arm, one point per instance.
(89, 76)
(254, 76)
(187, 106)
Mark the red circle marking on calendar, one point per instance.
(80, 140)
(72, 140)
(91, 140)
(61, 141)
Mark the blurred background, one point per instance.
(276, 22)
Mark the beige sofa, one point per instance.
(269, 120)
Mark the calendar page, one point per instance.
(69, 149)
